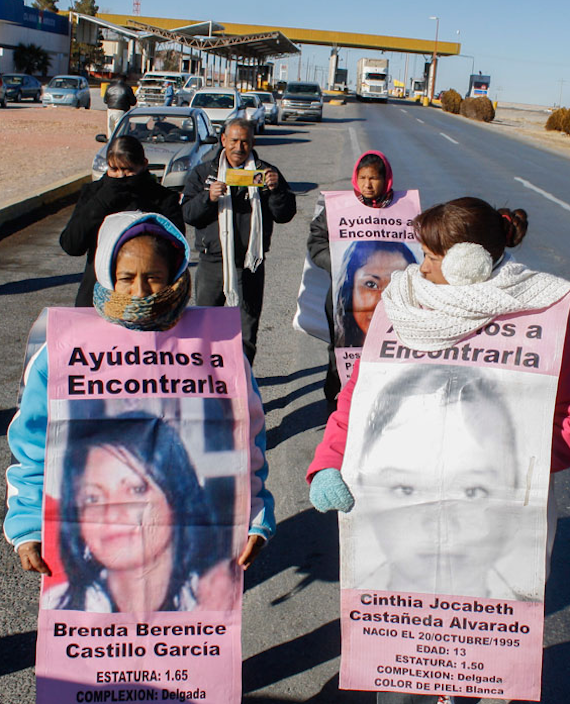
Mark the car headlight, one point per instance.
(286, 103)
(182, 164)
(99, 163)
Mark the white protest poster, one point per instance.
(367, 245)
(443, 557)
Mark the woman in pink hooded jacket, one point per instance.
(372, 183)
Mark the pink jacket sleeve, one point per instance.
(330, 451)
(561, 432)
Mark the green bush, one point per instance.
(478, 109)
(451, 101)
(557, 119)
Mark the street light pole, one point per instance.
(434, 58)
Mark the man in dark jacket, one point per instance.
(234, 227)
(119, 98)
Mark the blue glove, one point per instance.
(328, 492)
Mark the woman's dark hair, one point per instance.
(157, 447)
(470, 220)
(126, 151)
(475, 391)
(374, 161)
(347, 332)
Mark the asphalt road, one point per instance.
(291, 631)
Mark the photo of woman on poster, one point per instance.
(365, 272)
(135, 529)
(443, 513)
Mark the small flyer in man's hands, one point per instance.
(245, 177)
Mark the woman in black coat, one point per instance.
(127, 185)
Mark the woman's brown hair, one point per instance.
(470, 220)
(126, 151)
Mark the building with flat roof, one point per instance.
(26, 25)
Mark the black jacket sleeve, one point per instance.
(197, 208)
(170, 208)
(80, 234)
(281, 201)
(318, 242)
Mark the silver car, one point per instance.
(255, 111)
(175, 140)
(220, 104)
(270, 105)
(69, 91)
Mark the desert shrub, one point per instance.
(566, 122)
(480, 108)
(556, 119)
(451, 101)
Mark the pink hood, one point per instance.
(386, 197)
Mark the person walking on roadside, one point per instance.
(168, 93)
(119, 98)
(234, 227)
(127, 185)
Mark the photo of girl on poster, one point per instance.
(442, 514)
(136, 532)
(365, 272)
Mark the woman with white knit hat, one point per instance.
(443, 440)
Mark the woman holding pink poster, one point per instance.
(363, 269)
(440, 454)
(139, 492)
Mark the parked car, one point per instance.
(270, 105)
(184, 95)
(254, 111)
(20, 86)
(302, 99)
(70, 91)
(220, 104)
(2, 93)
(175, 140)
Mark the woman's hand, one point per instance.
(251, 550)
(30, 555)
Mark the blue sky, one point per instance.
(522, 45)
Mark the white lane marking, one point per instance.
(422, 121)
(402, 109)
(356, 150)
(448, 137)
(548, 196)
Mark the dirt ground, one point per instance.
(40, 146)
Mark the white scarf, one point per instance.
(429, 317)
(254, 254)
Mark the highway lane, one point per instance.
(291, 602)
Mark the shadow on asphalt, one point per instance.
(557, 595)
(312, 415)
(308, 542)
(275, 141)
(17, 652)
(291, 396)
(300, 188)
(29, 285)
(6, 415)
(286, 378)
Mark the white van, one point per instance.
(151, 86)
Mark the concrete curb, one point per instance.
(61, 189)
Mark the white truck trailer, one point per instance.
(372, 79)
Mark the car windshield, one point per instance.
(63, 82)
(159, 128)
(265, 97)
(248, 101)
(213, 100)
(14, 80)
(305, 88)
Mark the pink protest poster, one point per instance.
(443, 557)
(366, 245)
(146, 509)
